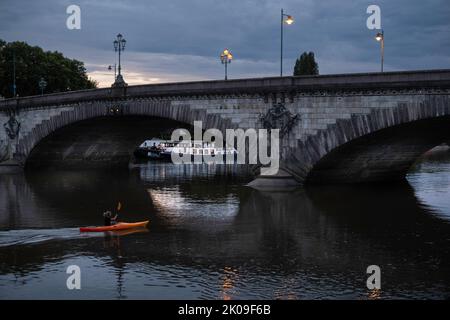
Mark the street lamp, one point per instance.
(380, 38)
(288, 19)
(119, 46)
(14, 74)
(226, 58)
(42, 85)
(115, 70)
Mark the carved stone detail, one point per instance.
(12, 127)
(278, 117)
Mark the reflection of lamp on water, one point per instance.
(230, 276)
(286, 289)
(374, 294)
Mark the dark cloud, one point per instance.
(170, 40)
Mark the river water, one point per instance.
(211, 237)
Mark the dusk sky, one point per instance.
(180, 40)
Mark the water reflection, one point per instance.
(230, 276)
(374, 294)
(211, 237)
(431, 181)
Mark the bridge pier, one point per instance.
(282, 181)
(8, 142)
(10, 166)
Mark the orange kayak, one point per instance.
(126, 232)
(118, 226)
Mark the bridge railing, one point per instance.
(386, 80)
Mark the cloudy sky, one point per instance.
(180, 40)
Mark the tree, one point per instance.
(306, 65)
(32, 64)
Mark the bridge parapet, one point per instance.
(286, 87)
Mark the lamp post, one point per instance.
(14, 73)
(380, 38)
(115, 70)
(42, 85)
(226, 58)
(288, 19)
(119, 46)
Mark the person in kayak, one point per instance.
(109, 219)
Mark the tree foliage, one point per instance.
(32, 64)
(306, 65)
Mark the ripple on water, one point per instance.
(37, 236)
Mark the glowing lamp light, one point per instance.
(289, 20)
(379, 36)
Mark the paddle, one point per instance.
(119, 206)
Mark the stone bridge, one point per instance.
(348, 128)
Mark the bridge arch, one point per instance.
(77, 113)
(378, 146)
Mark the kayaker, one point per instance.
(109, 219)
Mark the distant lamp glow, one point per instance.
(379, 36)
(289, 20)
